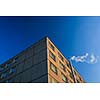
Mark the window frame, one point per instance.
(3, 75)
(51, 46)
(53, 80)
(55, 68)
(60, 56)
(62, 66)
(65, 80)
(1, 68)
(52, 56)
(12, 70)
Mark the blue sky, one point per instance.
(73, 36)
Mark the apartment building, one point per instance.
(40, 63)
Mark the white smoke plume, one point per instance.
(90, 59)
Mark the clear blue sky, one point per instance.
(72, 35)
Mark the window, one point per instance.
(70, 74)
(53, 68)
(80, 78)
(12, 70)
(53, 80)
(62, 66)
(68, 65)
(59, 55)
(4, 75)
(1, 68)
(7, 65)
(9, 81)
(78, 81)
(75, 72)
(52, 56)
(11, 62)
(64, 78)
(51, 46)
(15, 60)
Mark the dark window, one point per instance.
(75, 72)
(15, 60)
(70, 74)
(53, 80)
(53, 68)
(68, 65)
(64, 78)
(7, 65)
(78, 81)
(52, 56)
(11, 62)
(51, 46)
(9, 81)
(60, 56)
(80, 78)
(12, 70)
(62, 66)
(3, 75)
(1, 68)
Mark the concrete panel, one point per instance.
(20, 67)
(39, 46)
(43, 79)
(39, 70)
(35, 59)
(28, 63)
(29, 52)
(26, 76)
(21, 57)
(42, 55)
(18, 78)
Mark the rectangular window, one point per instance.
(3, 75)
(52, 56)
(11, 62)
(12, 70)
(64, 78)
(80, 78)
(75, 72)
(53, 68)
(51, 46)
(62, 66)
(70, 74)
(9, 81)
(7, 65)
(78, 81)
(14, 60)
(60, 56)
(68, 65)
(1, 68)
(53, 80)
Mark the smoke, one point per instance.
(90, 59)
